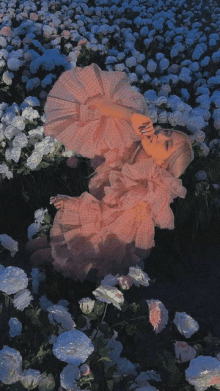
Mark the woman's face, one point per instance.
(163, 144)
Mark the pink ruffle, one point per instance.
(107, 235)
(88, 132)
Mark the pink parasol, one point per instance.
(89, 132)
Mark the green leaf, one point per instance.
(103, 327)
(110, 385)
(110, 372)
(17, 387)
(105, 359)
(47, 218)
(20, 170)
(133, 307)
(130, 329)
(81, 321)
(99, 307)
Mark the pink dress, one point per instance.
(114, 232)
(112, 228)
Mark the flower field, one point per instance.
(57, 334)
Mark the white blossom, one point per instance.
(138, 276)
(86, 305)
(73, 347)
(46, 382)
(20, 141)
(185, 324)
(151, 66)
(39, 215)
(30, 378)
(61, 315)
(4, 170)
(14, 64)
(30, 114)
(13, 154)
(9, 243)
(203, 372)
(7, 77)
(109, 295)
(10, 365)
(15, 327)
(33, 229)
(34, 160)
(22, 299)
(37, 276)
(68, 377)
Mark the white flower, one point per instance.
(203, 372)
(110, 280)
(158, 315)
(204, 148)
(18, 122)
(7, 77)
(184, 351)
(68, 377)
(185, 324)
(33, 229)
(201, 175)
(164, 64)
(61, 315)
(138, 276)
(53, 339)
(22, 299)
(39, 215)
(15, 327)
(11, 131)
(46, 383)
(199, 136)
(162, 117)
(125, 367)
(30, 114)
(45, 146)
(86, 305)
(37, 276)
(142, 380)
(3, 42)
(30, 378)
(185, 75)
(109, 294)
(4, 170)
(10, 365)
(73, 347)
(195, 123)
(37, 132)
(13, 154)
(151, 66)
(20, 141)
(13, 64)
(133, 77)
(69, 153)
(45, 302)
(125, 282)
(116, 349)
(32, 101)
(9, 243)
(34, 160)
(161, 100)
(130, 62)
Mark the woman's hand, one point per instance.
(143, 125)
(58, 202)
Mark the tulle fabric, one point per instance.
(109, 234)
(88, 132)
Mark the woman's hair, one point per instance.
(181, 157)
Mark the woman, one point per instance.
(112, 228)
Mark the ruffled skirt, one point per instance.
(114, 233)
